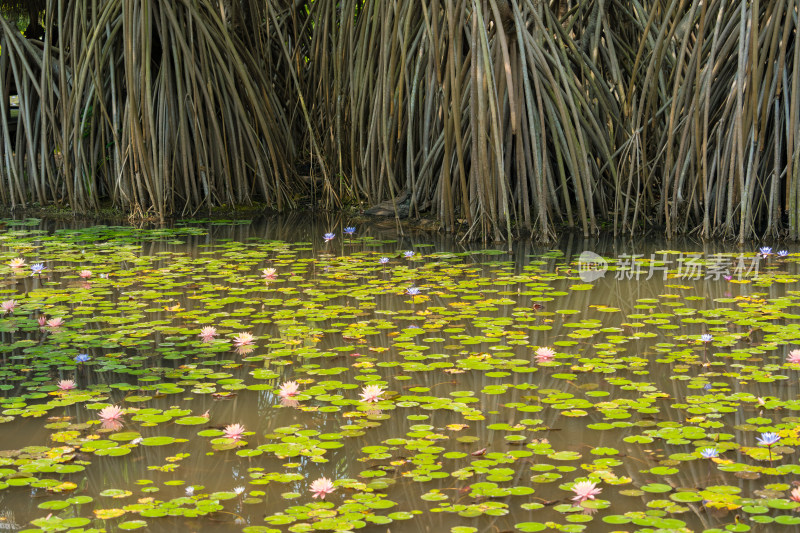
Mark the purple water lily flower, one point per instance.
(412, 291)
(768, 439)
(765, 251)
(408, 254)
(709, 453)
(82, 357)
(383, 260)
(706, 337)
(350, 231)
(329, 236)
(37, 268)
(783, 253)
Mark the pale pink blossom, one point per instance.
(243, 339)
(112, 412)
(208, 333)
(793, 357)
(796, 494)
(66, 384)
(56, 322)
(42, 320)
(206, 415)
(8, 306)
(85, 274)
(288, 389)
(17, 263)
(234, 431)
(584, 490)
(322, 487)
(269, 273)
(544, 354)
(371, 393)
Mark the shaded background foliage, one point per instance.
(498, 117)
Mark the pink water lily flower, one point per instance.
(66, 384)
(371, 393)
(793, 357)
(85, 274)
(288, 389)
(544, 354)
(17, 263)
(585, 490)
(8, 306)
(234, 431)
(243, 339)
(796, 494)
(208, 333)
(321, 487)
(112, 412)
(269, 273)
(56, 322)
(42, 320)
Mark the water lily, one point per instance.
(42, 320)
(8, 306)
(795, 495)
(793, 357)
(37, 268)
(412, 291)
(371, 393)
(544, 354)
(85, 274)
(408, 254)
(350, 231)
(269, 273)
(234, 431)
(329, 236)
(56, 322)
(66, 384)
(585, 490)
(783, 253)
(706, 337)
(208, 333)
(383, 260)
(243, 339)
(82, 357)
(17, 263)
(190, 490)
(288, 389)
(709, 453)
(238, 490)
(112, 412)
(765, 251)
(321, 487)
(768, 439)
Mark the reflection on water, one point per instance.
(457, 363)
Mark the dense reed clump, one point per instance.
(498, 117)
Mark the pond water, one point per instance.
(456, 388)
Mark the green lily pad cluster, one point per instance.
(274, 386)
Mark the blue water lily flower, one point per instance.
(383, 260)
(412, 291)
(408, 254)
(709, 453)
(37, 268)
(783, 253)
(765, 251)
(329, 236)
(706, 337)
(768, 439)
(350, 230)
(82, 357)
